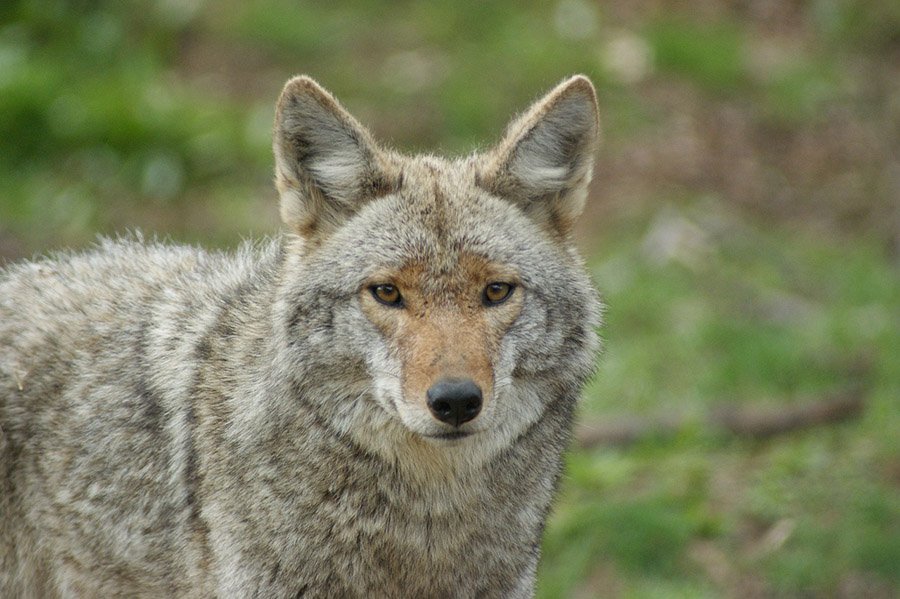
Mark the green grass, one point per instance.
(764, 317)
(156, 115)
(711, 55)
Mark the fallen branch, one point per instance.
(762, 422)
(748, 421)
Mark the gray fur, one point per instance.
(178, 422)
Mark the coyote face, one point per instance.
(461, 287)
(441, 335)
(446, 312)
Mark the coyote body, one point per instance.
(373, 404)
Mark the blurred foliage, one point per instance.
(744, 228)
(710, 55)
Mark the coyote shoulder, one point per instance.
(372, 404)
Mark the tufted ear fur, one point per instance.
(326, 164)
(545, 161)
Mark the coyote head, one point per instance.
(447, 292)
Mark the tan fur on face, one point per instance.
(444, 330)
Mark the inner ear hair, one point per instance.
(545, 161)
(327, 164)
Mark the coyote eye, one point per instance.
(387, 294)
(497, 293)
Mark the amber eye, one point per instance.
(387, 294)
(497, 293)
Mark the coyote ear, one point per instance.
(546, 159)
(326, 164)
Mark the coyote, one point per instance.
(372, 404)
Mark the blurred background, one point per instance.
(742, 435)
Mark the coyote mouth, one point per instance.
(452, 436)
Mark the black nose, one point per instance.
(454, 401)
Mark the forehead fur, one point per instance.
(437, 217)
(438, 214)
